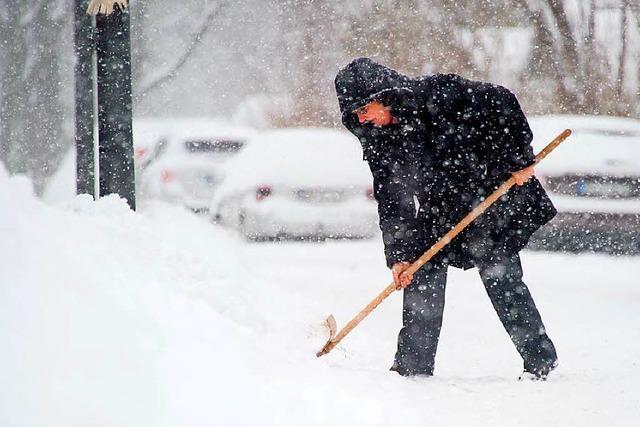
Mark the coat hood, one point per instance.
(364, 80)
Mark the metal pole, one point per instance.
(115, 158)
(84, 133)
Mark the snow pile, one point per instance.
(115, 318)
(99, 323)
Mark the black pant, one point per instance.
(424, 304)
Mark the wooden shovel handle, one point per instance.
(477, 211)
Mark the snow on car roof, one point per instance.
(149, 131)
(191, 126)
(202, 128)
(599, 145)
(306, 157)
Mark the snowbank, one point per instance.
(99, 320)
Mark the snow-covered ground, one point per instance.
(156, 318)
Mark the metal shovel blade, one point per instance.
(330, 322)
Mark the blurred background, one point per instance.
(272, 63)
(209, 76)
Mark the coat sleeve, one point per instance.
(394, 188)
(508, 135)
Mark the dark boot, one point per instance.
(538, 374)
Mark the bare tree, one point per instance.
(33, 36)
(160, 77)
(307, 41)
(624, 10)
(635, 8)
(408, 35)
(581, 75)
(572, 83)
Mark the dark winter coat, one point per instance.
(456, 141)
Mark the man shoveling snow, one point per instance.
(437, 146)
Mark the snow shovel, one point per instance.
(335, 337)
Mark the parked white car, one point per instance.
(594, 181)
(188, 168)
(301, 183)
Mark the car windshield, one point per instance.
(221, 146)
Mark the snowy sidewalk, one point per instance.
(589, 303)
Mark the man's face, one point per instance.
(374, 112)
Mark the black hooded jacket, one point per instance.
(456, 141)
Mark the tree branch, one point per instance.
(572, 79)
(29, 16)
(567, 38)
(172, 71)
(525, 5)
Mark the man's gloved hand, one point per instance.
(401, 279)
(522, 176)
